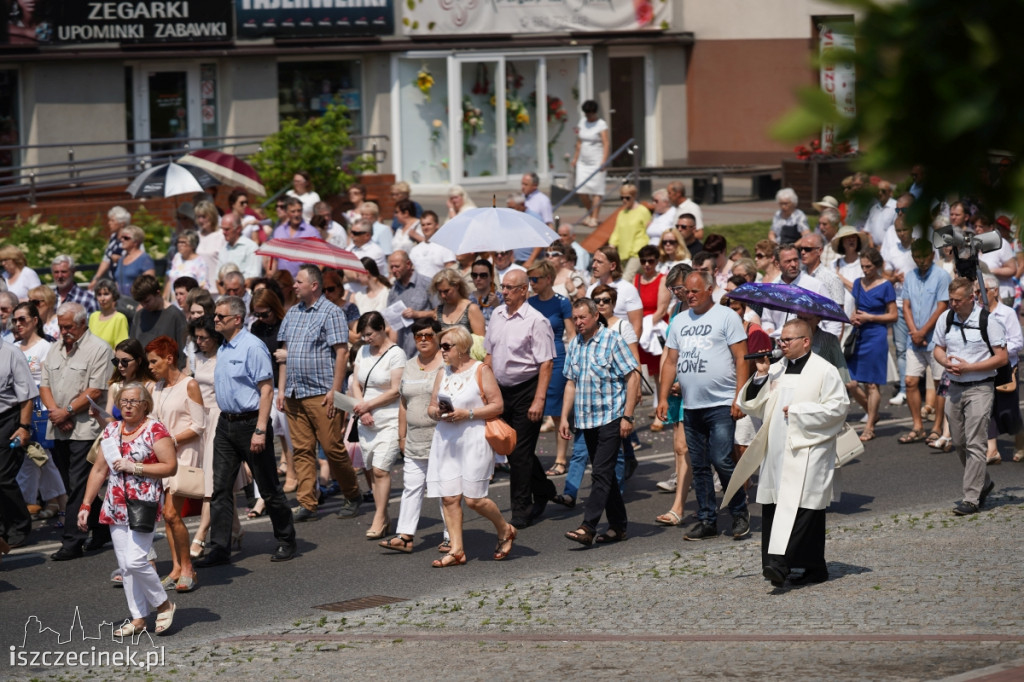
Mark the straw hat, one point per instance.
(846, 231)
(826, 202)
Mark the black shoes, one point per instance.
(283, 553)
(349, 508)
(212, 559)
(94, 543)
(965, 508)
(520, 523)
(702, 531)
(564, 500)
(302, 514)
(775, 574)
(981, 498)
(809, 577)
(741, 525)
(65, 554)
(537, 510)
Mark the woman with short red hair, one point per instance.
(178, 404)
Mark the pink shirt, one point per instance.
(518, 344)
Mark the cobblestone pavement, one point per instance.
(916, 595)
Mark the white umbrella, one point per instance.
(493, 229)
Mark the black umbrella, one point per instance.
(171, 179)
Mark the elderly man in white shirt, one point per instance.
(677, 195)
(772, 321)
(429, 259)
(882, 213)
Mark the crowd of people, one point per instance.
(201, 373)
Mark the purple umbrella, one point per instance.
(790, 299)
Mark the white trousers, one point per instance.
(414, 478)
(36, 481)
(142, 585)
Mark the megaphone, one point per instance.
(947, 236)
(957, 238)
(989, 241)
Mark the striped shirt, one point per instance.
(311, 333)
(600, 368)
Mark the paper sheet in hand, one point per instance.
(393, 316)
(103, 413)
(344, 402)
(111, 452)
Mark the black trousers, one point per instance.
(806, 548)
(15, 521)
(603, 447)
(70, 458)
(230, 449)
(527, 482)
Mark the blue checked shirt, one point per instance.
(600, 368)
(310, 334)
(77, 294)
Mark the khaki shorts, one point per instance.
(919, 360)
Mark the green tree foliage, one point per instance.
(317, 147)
(938, 84)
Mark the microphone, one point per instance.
(774, 354)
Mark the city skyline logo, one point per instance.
(45, 647)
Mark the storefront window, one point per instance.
(564, 81)
(10, 130)
(521, 116)
(423, 120)
(480, 127)
(305, 89)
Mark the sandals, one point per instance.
(186, 583)
(911, 437)
(169, 583)
(610, 535)
(564, 500)
(504, 547)
(558, 469)
(1018, 456)
(257, 509)
(944, 443)
(165, 620)
(657, 425)
(581, 535)
(445, 547)
(933, 436)
(928, 412)
(379, 534)
(867, 435)
(450, 559)
(669, 518)
(398, 544)
(192, 552)
(989, 461)
(128, 629)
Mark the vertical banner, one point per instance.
(838, 78)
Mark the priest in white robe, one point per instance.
(802, 403)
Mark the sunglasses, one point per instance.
(512, 287)
(121, 362)
(625, 198)
(481, 275)
(669, 241)
(220, 318)
(330, 290)
(447, 346)
(534, 280)
(21, 320)
(760, 255)
(124, 239)
(263, 316)
(357, 234)
(603, 300)
(808, 249)
(425, 336)
(646, 261)
(681, 226)
(553, 254)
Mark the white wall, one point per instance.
(753, 19)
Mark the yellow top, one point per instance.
(113, 331)
(630, 233)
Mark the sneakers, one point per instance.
(300, 514)
(898, 399)
(701, 531)
(964, 508)
(349, 508)
(741, 525)
(668, 486)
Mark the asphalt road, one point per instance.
(336, 563)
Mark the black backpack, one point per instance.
(1004, 373)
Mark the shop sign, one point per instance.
(441, 17)
(118, 21)
(309, 18)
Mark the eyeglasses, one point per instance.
(807, 249)
(447, 346)
(603, 300)
(265, 315)
(553, 254)
(425, 336)
(512, 287)
(121, 362)
(784, 340)
(684, 226)
(21, 320)
(760, 255)
(244, 202)
(481, 275)
(129, 402)
(646, 261)
(124, 239)
(220, 318)
(330, 290)
(202, 339)
(669, 241)
(625, 198)
(357, 234)
(534, 280)
(678, 290)
(901, 209)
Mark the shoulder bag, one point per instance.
(500, 436)
(141, 513)
(187, 482)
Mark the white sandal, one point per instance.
(165, 620)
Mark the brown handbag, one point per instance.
(500, 436)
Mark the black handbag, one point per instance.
(850, 344)
(141, 513)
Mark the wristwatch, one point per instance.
(631, 420)
(27, 427)
(259, 432)
(70, 408)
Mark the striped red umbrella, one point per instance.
(227, 168)
(312, 250)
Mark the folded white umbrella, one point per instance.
(493, 229)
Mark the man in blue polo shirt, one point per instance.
(602, 387)
(243, 383)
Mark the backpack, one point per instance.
(1004, 373)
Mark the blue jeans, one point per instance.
(709, 435)
(900, 338)
(578, 466)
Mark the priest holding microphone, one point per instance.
(802, 403)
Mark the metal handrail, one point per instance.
(626, 146)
